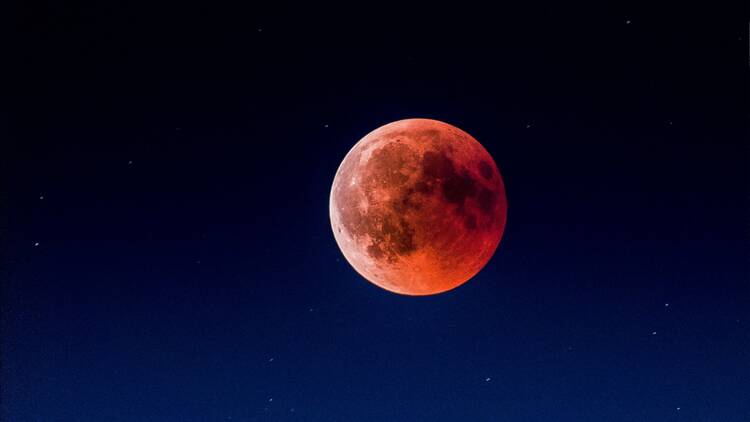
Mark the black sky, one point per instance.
(167, 253)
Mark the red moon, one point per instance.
(418, 207)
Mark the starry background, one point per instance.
(167, 254)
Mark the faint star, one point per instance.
(270, 399)
(653, 333)
(311, 309)
(291, 410)
(260, 29)
(488, 379)
(627, 22)
(41, 197)
(36, 243)
(528, 126)
(670, 123)
(679, 408)
(130, 163)
(325, 125)
(666, 305)
(270, 360)
(197, 262)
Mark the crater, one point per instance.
(385, 166)
(485, 169)
(456, 186)
(393, 239)
(470, 222)
(486, 200)
(405, 201)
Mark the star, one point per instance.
(666, 305)
(488, 379)
(270, 399)
(36, 243)
(653, 333)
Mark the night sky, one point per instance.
(167, 253)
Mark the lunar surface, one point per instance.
(418, 207)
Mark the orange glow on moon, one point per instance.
(418, 207)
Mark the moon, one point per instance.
(418, 207)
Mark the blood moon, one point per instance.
(418, 207)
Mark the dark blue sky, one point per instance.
(167, 253)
